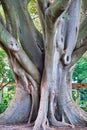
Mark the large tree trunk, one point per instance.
(42, 64)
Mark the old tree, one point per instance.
(42, 63)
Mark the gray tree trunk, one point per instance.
(42, 63)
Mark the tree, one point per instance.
(42, 63)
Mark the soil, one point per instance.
(27, 127)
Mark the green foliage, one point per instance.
(80, 75)
(83, 105)
(83, 97)
(6, 74)
(83, 94)
(32, 8)
(74, 95)
(7, 97)
(2, 12)
(80, 72)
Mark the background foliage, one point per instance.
(7, 89)
(80, 76)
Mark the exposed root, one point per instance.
(35, 105)
(70, 109)
(30, 124)
(42, 113)
(52, 119)
(30, 116)
(56, 123)
(74, 114)
(18, 110)
(45, 124)
(83, 113)
(21, 74)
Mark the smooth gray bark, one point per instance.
(43, 80)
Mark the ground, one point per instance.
(27, 127)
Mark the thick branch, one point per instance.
(28, 65)
(7, 40)
(19, 21)
(73, 11)
(82, 32)
(2, 20)
(10, 43)
(26, 35)
(10, 15)
(37, 35)
(81, 46)
(25, 2)
(77, 55)
(42, 6)
(84, 3)
(56, 9)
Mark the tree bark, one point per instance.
(43, 80)
(19, 109)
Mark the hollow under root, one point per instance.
(53, 121)
(46, 116)
(71, 114)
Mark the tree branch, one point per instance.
(73, 10)
(25, 3)
(2, 20)
(42, 6)
(56, 9)
(11, 19)
(2, 86)
(10, 43)
(28, 65)
(84, 5)
(81, 45)
(20, 23)
(37, 35)
(77, 54)
(27, 35)
(82, 32)
(22, 58)
(7, 40)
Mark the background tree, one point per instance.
(42, 62)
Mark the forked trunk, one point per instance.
(42, 63)
(57, 107)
